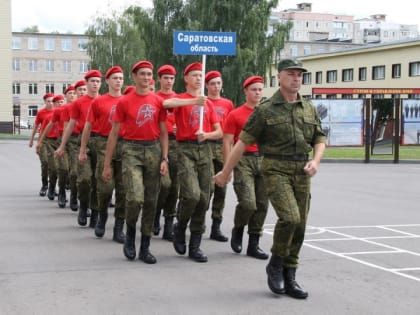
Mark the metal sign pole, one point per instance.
(203, 62)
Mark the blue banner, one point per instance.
(204, 43)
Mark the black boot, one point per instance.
(130, 243)
(73, 201)
(179, 239)
(274, 271)
(82, 218)
(145, 254)
(195, 252)
(168, 229)
(156, 223)
(100, 226)
(93, 218)
(236, 239)
(254, 249)
(216, 234)
(291, 287)
(43, 190)
(51, 191)
(62, 197)
(119, 235)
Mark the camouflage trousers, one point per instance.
(72, 150)
(141, 178)
(252, 198)
(195, 172)
(57, 167)
(43, 158)
(169, 186)
(104, 189)
(86, 181)
(51, 145)
(219, 194)
(288, 189)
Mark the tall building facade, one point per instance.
(6, 102)
(43, 63)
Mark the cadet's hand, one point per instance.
(311, 168)
(38, 147)
(82, 158)
(221, 179)
(163, 168)
(59, 152)
(31, 143)
(201, 100)
(201, 136)
(106, 173)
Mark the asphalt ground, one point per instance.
(361, 254)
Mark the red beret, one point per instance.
(114, 69)
(129, 89)
(166, 69)
(193, 66)
(79, 83)
(93, 73)
(212, 74)
(69, 88)
(252, 79)
(58, 98)
(142, 64)
(48, 95)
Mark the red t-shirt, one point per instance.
(170, 118)
(79, 110)
(40, 116)
(56, 118)
(223, 107)
(140, 116)
(54, 132)
(187, 119)
(235, 121)
(101, 112)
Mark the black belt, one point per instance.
(288, 157)
(257, 154)
(218, 141)
(94, 134)
(142, 142)
(74, 134)
(171, 136)
(191, 141)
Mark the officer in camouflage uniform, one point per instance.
(286, 128)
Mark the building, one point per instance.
(317, 33)
(43, 63)
(6, 102)
(389, 70)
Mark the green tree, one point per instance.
(31, 29)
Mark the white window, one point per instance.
(66, 65)
(307, 78)
(33, 65)
(33, 88)
(66, 44)
(16, 88)
(49, 66)
(318, 77)
(307, 50)
(49, 44)
(16, 64)
(293, 50)
(347, 75)
(32, 110)
(49, 88)
(32, 43)
(332, 76)
(378, 72)
(396, 70)
(83, 66)
(362, 74)
(83, 44)
(414, 69)
(16, 43)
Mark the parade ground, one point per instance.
(361, 253)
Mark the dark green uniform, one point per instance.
(286, 133)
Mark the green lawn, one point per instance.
(406, 153)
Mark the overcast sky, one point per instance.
(74, 15)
